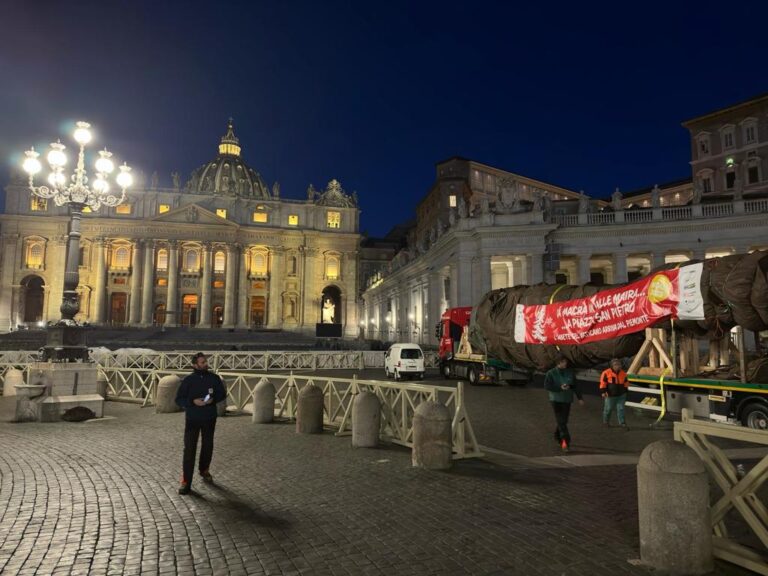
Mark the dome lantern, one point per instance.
(230, 145)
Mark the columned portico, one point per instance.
(242, 297)
(277, 256)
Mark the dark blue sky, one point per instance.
(585, 95)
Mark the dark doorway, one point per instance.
(189, 310)
(330, 306)
(159, 316)
(218, 315)
(117, 307)
(258, 310)
(33, 299)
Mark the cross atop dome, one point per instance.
(230, 145)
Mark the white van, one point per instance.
(403, 360)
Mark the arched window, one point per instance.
(162, 259)
(332, 268)
(35, 255)
(259, 264)
(219, 262)
(121, 257)
(191, 260)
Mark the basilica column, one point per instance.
(277, 254)
(243, 303)
(149, 283)
(311, 290)
(172, 311)
(205, 299)
(9, 264)
(585, 270)
(537, 267)
(100, 290)
(657, 260)
(230, 300)
(619, 268)
(134, 312)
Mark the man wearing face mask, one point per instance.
(198, 395)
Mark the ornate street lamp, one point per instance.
(66, 339)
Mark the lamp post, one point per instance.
(66, 339)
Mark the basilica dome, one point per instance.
(227, 174)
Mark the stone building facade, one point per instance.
(224, 250)
(501, 230)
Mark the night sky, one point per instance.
(583, 95)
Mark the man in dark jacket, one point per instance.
(197, 396)
(560, 383)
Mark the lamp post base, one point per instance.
(65, 343)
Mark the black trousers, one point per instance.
(192, 430)
(562, 412)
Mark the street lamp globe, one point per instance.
(124, 178)
(104, 164)
(82, 133)
(31, 164)
(56, 157)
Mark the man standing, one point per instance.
(561, 386)
(613, 387)
(197, 396)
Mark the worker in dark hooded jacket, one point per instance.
(198, 395)
(560, 384)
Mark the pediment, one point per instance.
(192, 214)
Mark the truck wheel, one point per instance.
(446, 370)
(472, 376)
(755, 416)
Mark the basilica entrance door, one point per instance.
(258, 310)
(118, 305)
(34, 297)
(189, 310)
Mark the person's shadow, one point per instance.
(233, 507)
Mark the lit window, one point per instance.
(332, 268)
(164, 208)
(334, 219)
(259, 264)
(123, 209)
(218, 283)
(162, 259)
(35, 255)
(221, 212)
(293, 220)
(260, 217)
(121, 257)
(219, 262)
(191, 260)
(38, 204)
(452, 201)
(162, 281)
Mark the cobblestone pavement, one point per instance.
(100, 498)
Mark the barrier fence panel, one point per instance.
(740, 494)
(399, 400)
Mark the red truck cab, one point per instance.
(449, 331)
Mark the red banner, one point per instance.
(613, 312)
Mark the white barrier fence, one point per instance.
(233, 361)
(739, 492)
(398, 400)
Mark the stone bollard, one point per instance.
(309, 412)
(13, 378)
(167, 388)
(673, 506)
(263, 402)
(432, 445)
(366, 420)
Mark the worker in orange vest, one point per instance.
(613, 387)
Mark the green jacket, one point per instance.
(553, 381)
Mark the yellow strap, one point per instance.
(663, 397)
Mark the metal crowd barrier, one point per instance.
(739, 492)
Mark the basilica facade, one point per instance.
(223, 250)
